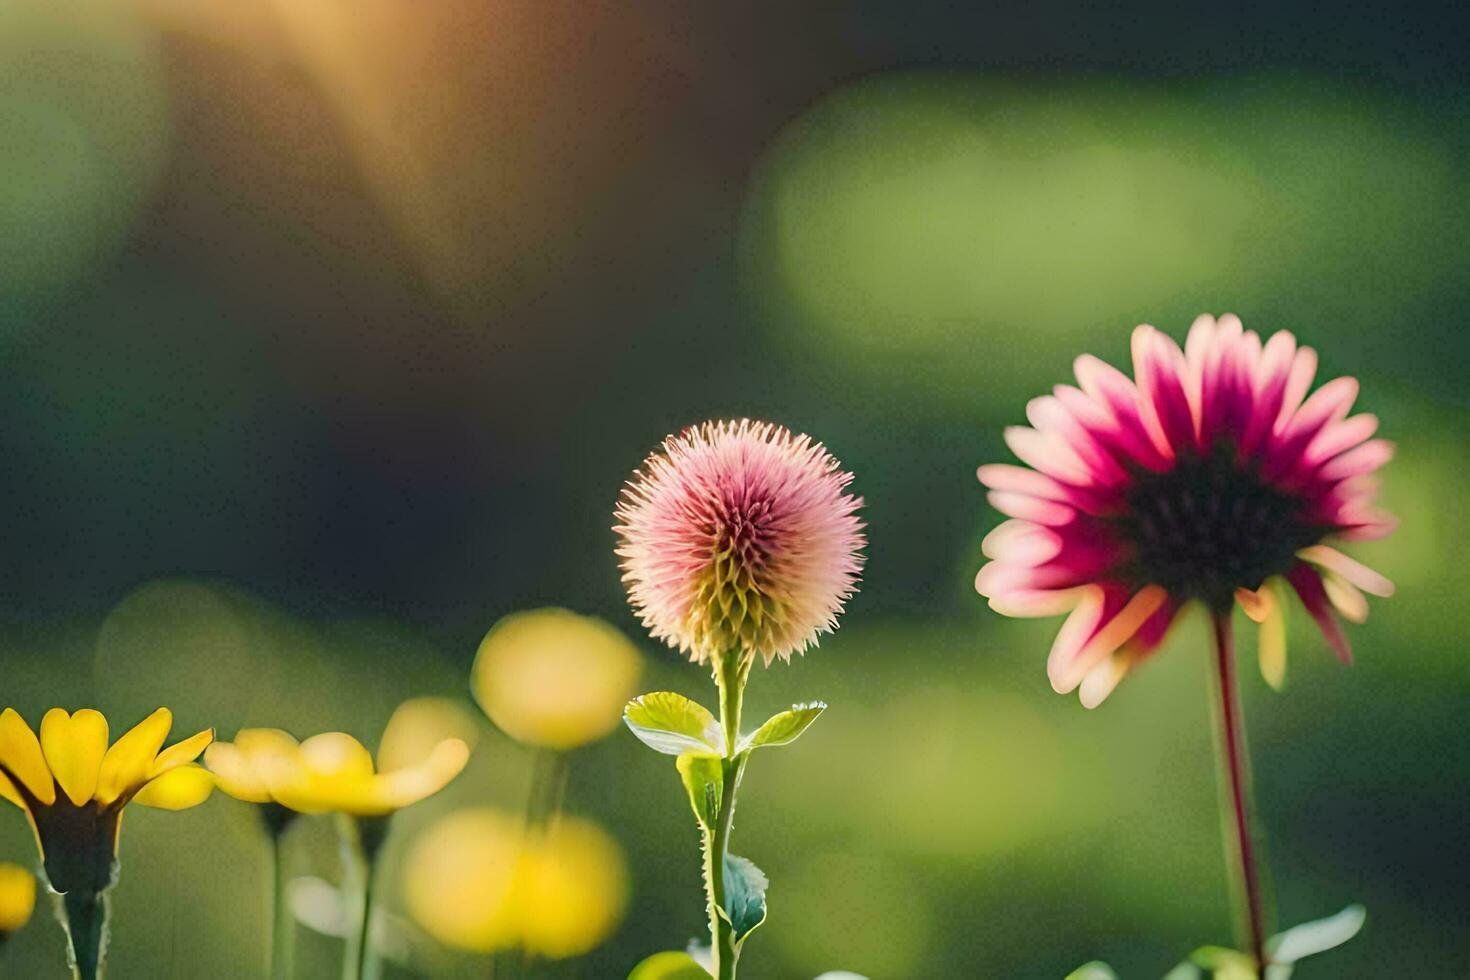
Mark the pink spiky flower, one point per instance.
(739, 537)
(1211, 477)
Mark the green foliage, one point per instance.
(669, 965)
(704, 780)
(1317, 936)
(1096, 970)
(1284, 949)
(672, 724)
(783, 728)
(745, 896)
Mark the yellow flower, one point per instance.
(73, 787)
(473, 881)
(334, 773)
(457, 880)
(246, 767)
(17, 897)
(553, 678)
(573, 889)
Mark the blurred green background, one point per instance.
(329, 332)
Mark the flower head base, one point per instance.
(334, 773)
(73, 787)
(740, 538)
(1211, 476)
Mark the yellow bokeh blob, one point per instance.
(17, 896)
(458, 876)
(474, 881)
(553, 678)
(573, 888)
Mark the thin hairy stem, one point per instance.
(731, 672)
(1237, 818)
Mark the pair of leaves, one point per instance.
(1284, 950)
(674, 725)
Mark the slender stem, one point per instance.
(365, 930)
(731, 672)
(362, 839)
(549, 770)
(1238, 818)
(283, 925)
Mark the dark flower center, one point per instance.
(1211, 525)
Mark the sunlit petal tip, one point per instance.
(1255, 604)
(181, 753)
(1360, 575)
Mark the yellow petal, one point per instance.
(336, 755)
(125, 767)
(234, 774)
(1271, 641)
(405, 786)
(178, 789)
(418, 725)
(264, 742)
(181, 753)
(8, 790)
(20, 752)
(74, 746)
(1345, 597)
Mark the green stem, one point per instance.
(84, 916)
(282, 940)
(543, 805)
(1236, 811)
(730, 676)
(362, 839)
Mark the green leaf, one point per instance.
(1318, 936)
(745, 896)
(783, 728)
(672, 724)
(669, 966)
(1224, 964)
(1184, 971)
(704, 780)
(1096, 970)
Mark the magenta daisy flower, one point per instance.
(739, 537)
(1213, 476)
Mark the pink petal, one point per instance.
(1035, 603)
(1047, 452)
(1355, 462)
(1355, 572)
(1308, 585)
(1339, 438)
(1032, 509)
(1162, 372)
(1067, 668)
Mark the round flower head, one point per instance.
(739, 537)
(1212, 476)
